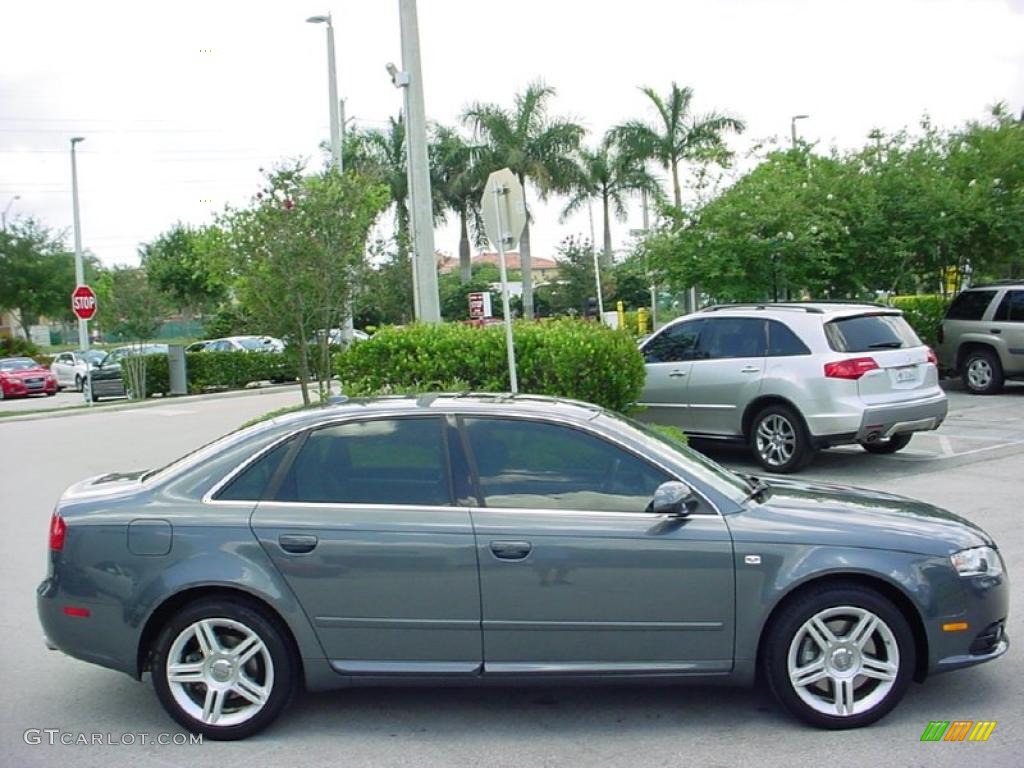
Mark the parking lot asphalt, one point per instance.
(974, 465)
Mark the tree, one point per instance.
(38, 273)
(181, 263)
(576, 282)
(381, 155)
(535, 147)
(296, 252)
(458, 183)
(608, 175)
(678, 135)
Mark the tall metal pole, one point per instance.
(792, 127)
(332, 85)
(83, 325)
(7, 208)
(597, 264)
(647, 228)
(509, 345)
(419, 167)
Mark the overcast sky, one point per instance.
(175, 132)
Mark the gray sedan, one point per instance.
(491, 539)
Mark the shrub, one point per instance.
(564, 358)
(15, 346)
(220, 370)
(924, 313)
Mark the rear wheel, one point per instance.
(79, 384)
(779, 439)
(840, 657)
(982, 372)
(223, 669)
(888, 445)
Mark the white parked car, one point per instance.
(71, 368)
(245, 344)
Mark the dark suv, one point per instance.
(982, 336)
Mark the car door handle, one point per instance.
(677, 374)
(750, 369)
(297, 543)
(996, 331)
(511, 550)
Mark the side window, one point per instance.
(535, 465)
(728, 337)
(382, 461)
(969, 305)
(1011, 308)
(782, 342)
(251, 483)
(674, 344)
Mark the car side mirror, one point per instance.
(674, 498)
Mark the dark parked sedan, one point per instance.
(107, 378)
(486, 539)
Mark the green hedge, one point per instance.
(924, 313)
(565, 358)
(220, 370)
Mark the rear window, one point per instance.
(970, 305)
(866, 333)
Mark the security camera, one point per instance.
(399, 78)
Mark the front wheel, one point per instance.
(779, 439)
(888, 445)
(839, 657)
(223, 669)
(79, 384)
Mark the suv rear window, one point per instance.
(866, 333)
(969, 305)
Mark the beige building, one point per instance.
(542, 269)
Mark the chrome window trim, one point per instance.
(208, 497)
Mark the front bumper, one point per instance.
(986, 606)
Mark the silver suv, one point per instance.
(982, 336)
(789, 379)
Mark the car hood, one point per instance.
(834, 515)
(27, 373)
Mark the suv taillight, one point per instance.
(57, 530)
(932, 357)
(853, 368)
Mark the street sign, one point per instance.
(83, 302)
(480, 305)
(504, 209)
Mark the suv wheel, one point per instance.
(840, 657)
(889, 445)
(223, 669)
(982, 372)
(779, 439)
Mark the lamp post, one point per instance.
(83, 325)
(332, 86)
(6, 209)
(792, 126)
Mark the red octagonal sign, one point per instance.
(83, 302)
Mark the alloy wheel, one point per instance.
(776, 440)
(843, 661)
(979, 373)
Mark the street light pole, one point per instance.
(792, 126)
(332, 87)
(83, 325)
(419, 166)
(6, 209)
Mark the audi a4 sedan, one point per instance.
(485, 539)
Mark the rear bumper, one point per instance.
(881, 422)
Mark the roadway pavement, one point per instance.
(973, 465)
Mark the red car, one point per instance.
(23, 376)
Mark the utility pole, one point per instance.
(419, 168)
(792, 126)
(7, 208)
(83, 325)
(332, 90)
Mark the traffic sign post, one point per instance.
(504, 212)
(84, 305)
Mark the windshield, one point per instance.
(723, 480)
(18, 364)
(93, 355)
(252, 343)
(865, 333)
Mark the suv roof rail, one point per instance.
(1004, 281)
(762, 305)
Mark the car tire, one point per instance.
(819, 648)
(93, 396)
(197, 644)
(888, 445)
(779, 440)
(51, 394)
(982, 372)
(79, 384)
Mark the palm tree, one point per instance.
(533, 146)
(381, 154)
(607, 174)
(678, 135)
(457, 182)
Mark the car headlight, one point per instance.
(977, 561)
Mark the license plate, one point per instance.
(905, 374)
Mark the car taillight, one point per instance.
(853, 368)
(57, 530)
(932, 357)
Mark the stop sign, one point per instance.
(83, 302)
